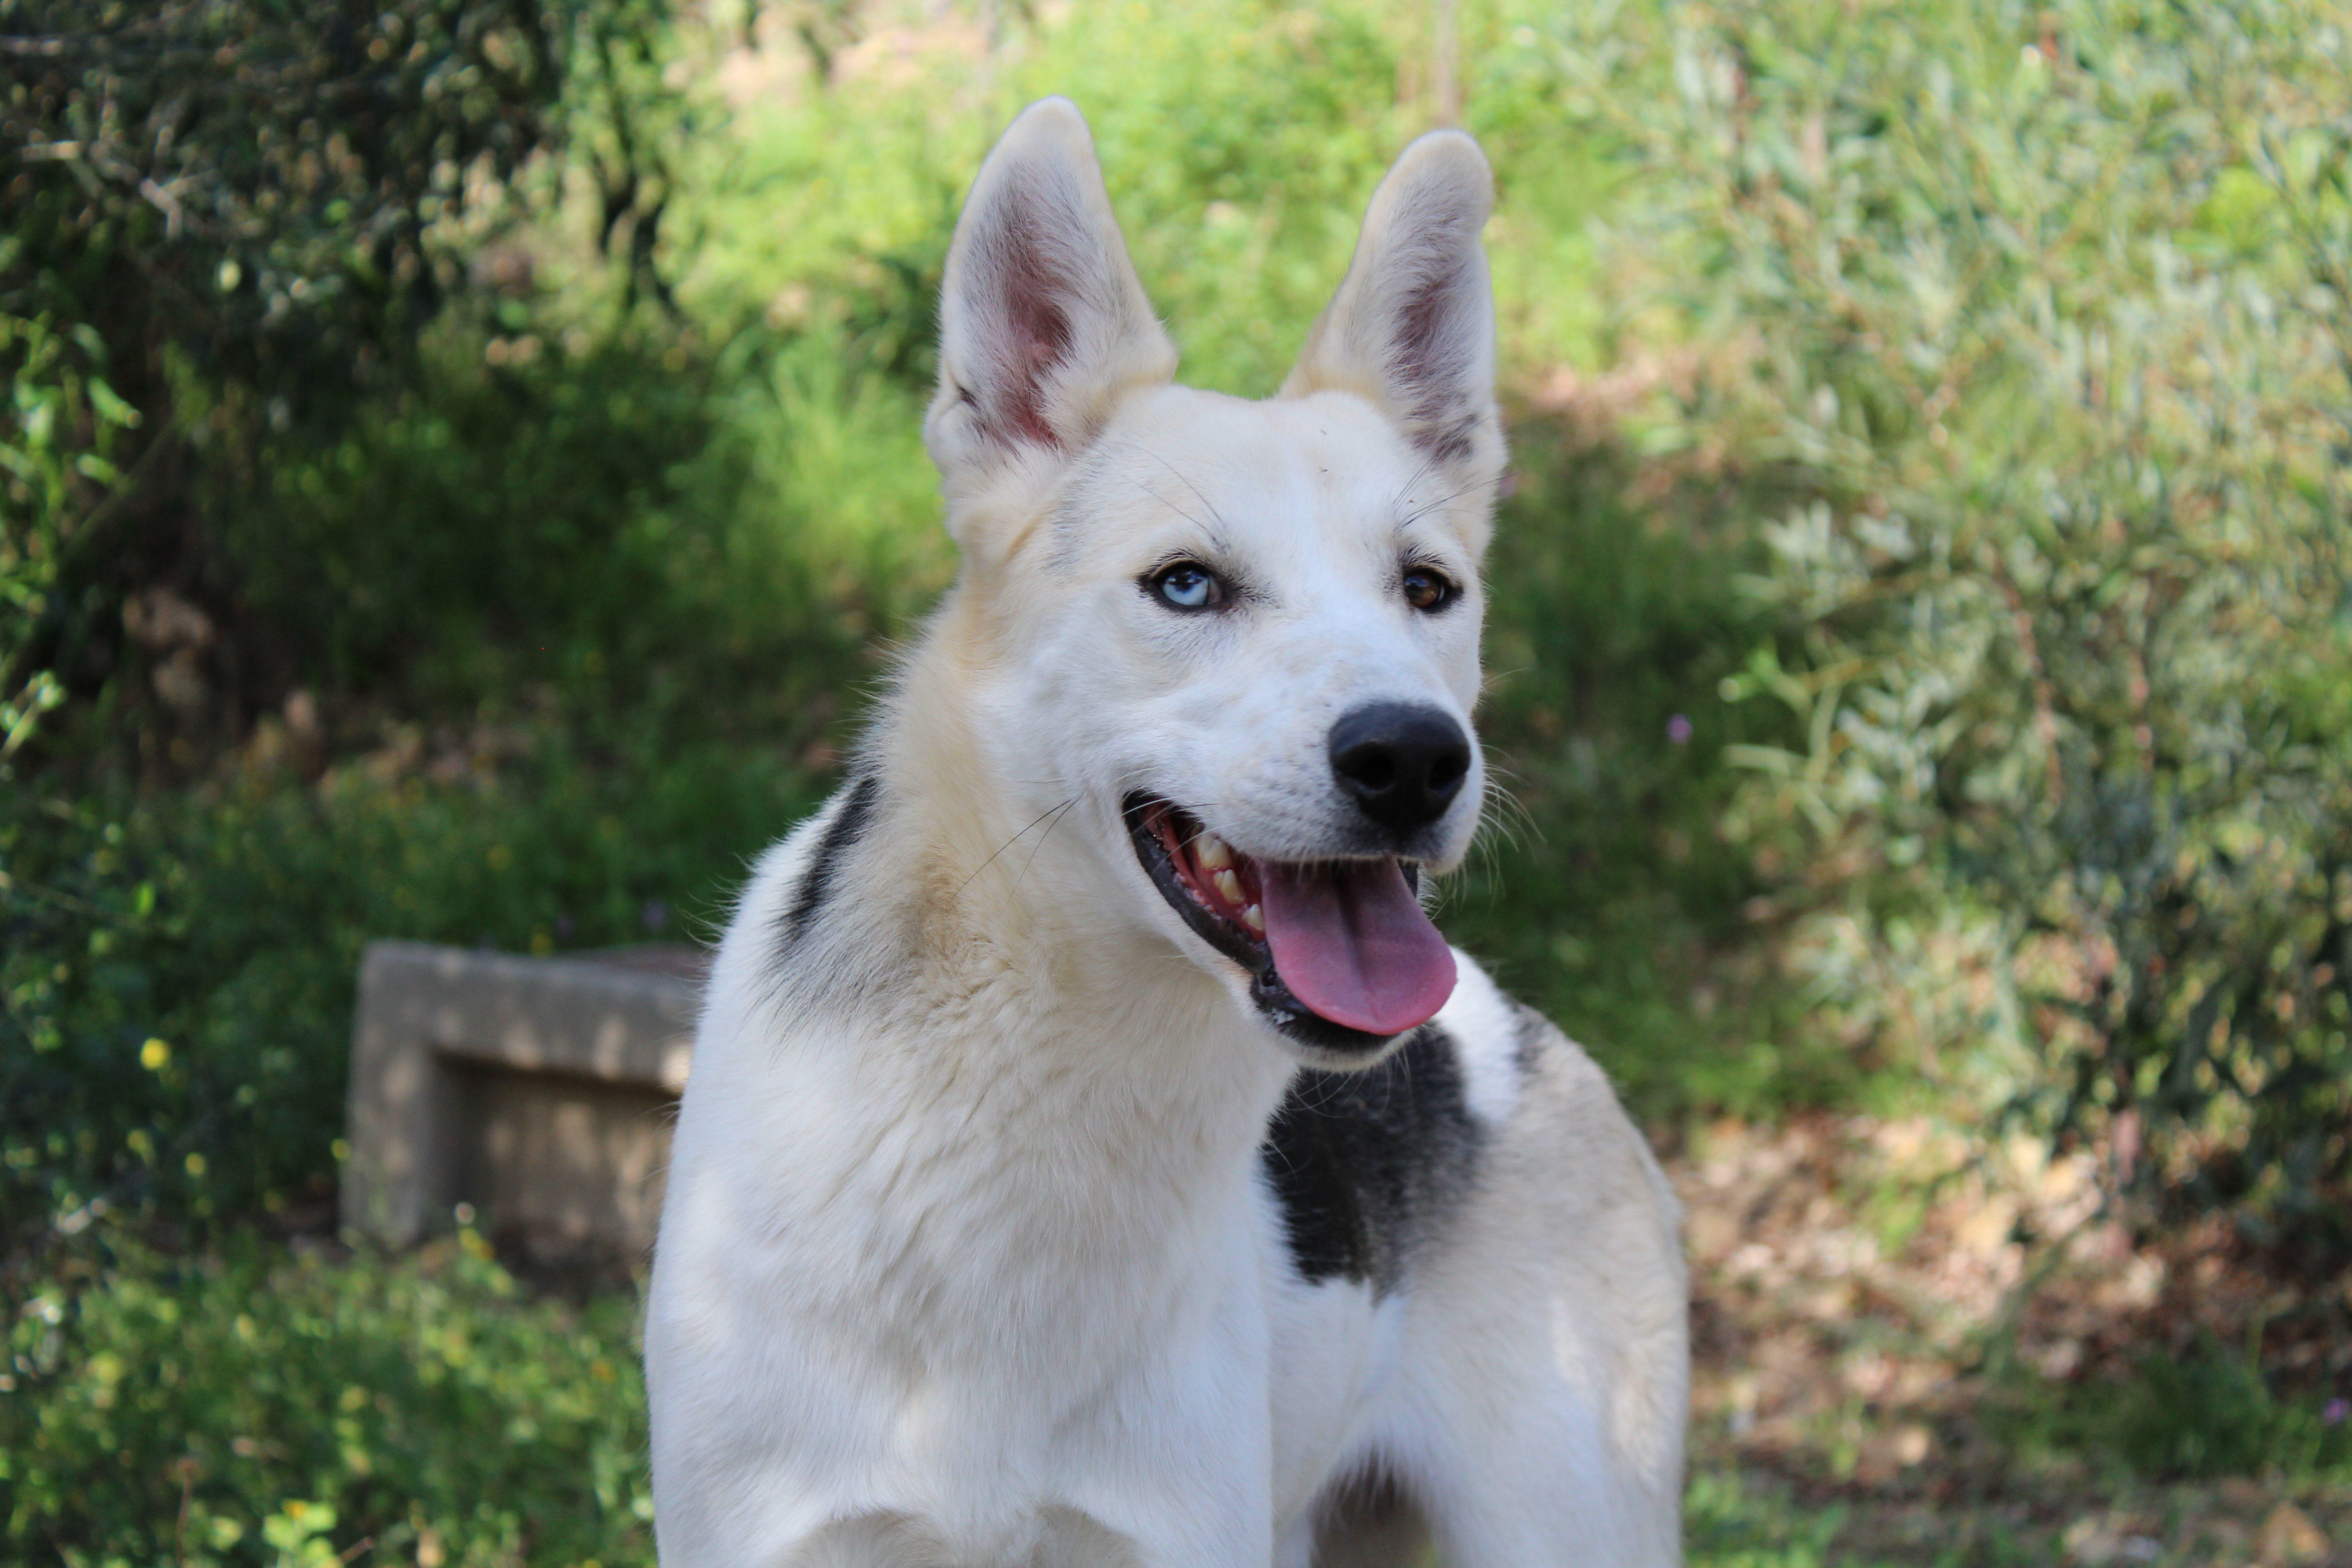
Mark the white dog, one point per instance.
(1094, 1155)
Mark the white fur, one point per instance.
(968, 1259)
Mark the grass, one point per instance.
(2198, 1416)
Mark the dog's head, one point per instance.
(1238, 641)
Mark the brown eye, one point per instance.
(1427, 589)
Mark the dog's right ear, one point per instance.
(1042, 324)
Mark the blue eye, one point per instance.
(1188, 585)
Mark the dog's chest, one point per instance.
(1362, 1172)
(1367, 1166)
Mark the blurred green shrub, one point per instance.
(1602, 889)
(490, 526)
(1729, 1523)
(275, 192)
(58, 430)
(2048, 307)
(2206, 1412)
(808, 524)
(1239, 162)
(176, 975)
(256, 1409)
(2211, 1413)
(242, 213)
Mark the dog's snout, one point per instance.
(1401, 764)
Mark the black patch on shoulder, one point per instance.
(823, 868)
(1367, 1163)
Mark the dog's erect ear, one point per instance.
(1043, 324)
(1412, 328)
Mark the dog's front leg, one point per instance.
(1177, 1459)
(1219, 1516)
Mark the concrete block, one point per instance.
(540, 1090)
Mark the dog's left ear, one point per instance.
(1042, 324)
(1411, 329)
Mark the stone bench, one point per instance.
(541, 1091)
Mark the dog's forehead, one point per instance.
(1285, 470)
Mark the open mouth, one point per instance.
(1339, 954)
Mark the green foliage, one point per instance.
(492, 526)
(253, 208)
(2209, 1413)
(1239, 164)
(1239, 227)
(177, 975)
(57, 430)
(256, 1409)
(2049, 309)
(1729, 1524)
(1603, 890)
(272, 190)
(822, 505)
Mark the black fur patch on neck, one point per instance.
(823, 868)
(1367, 1165)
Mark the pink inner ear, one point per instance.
(1036, 325)
(1429, 369)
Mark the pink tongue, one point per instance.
(1351, 942)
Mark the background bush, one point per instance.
(2048, 309)
(242, 215)
(256, 1409)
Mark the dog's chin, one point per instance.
(1170, 843)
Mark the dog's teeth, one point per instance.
(1228, 886)
(1254, 918)
(1214, 853)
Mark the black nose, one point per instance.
(1402, 764)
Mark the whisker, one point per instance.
(1058, 814)
(1186, 481)
(1179, 511)
(1016, 839)
(1423, 511)
(1510, 815)
(1428, 462)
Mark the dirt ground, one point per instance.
(1861, 1327)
